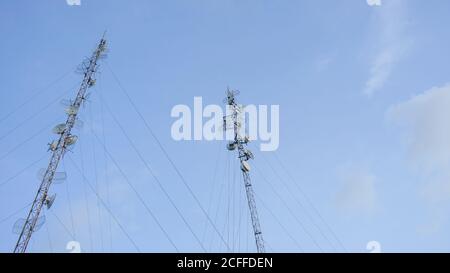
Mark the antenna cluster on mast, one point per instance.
(244, 154)
(58, 147)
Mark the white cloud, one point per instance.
(358, 193)
(390, 43)
(425, 120)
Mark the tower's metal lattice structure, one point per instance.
(58, 147)
(234, 123)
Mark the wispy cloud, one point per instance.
(390, 43)
(358, 191)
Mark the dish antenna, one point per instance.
(52, 146)
(245, 166)
(49, 200)
(20, 224)
(59, 129)
(71, 110)
(71, 140)
(91, 82)
(231, 146)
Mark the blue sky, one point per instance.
(363, 101)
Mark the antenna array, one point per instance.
(58, 148)
(244, 155)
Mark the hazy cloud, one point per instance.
(390, 44)
(424, 119)
(357, 193)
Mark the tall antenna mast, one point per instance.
(58, 148)
(244, 155)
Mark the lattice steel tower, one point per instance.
(59, 147)
(233, 122)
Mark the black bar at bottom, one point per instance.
(226, 262)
